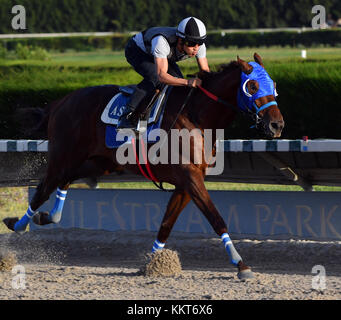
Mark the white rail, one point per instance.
(319, 145)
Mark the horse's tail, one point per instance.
(33, 122)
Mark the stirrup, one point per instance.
(141, 126)
(125, 121)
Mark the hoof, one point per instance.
(245, 274)
(10, 222)
(41, 218)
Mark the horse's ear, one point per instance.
(258, 59)
(246, 68)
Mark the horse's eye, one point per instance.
(253, 86)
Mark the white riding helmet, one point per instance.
(192, 29)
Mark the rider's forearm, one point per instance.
(166, 78)
(203, 64)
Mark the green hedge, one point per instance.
(217, 39)
(62, 44)
(309, 94)
(285, 38)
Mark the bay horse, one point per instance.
(77, 143)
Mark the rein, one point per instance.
(211, 96)
(145, 158)
(219, 100)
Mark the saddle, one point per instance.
(152, 116)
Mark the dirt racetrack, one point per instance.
(91, 264)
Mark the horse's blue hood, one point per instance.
(246, 101)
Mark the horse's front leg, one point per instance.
(176, 204)
(196, 188)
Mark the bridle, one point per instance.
(254, 115)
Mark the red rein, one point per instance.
(145, 158)
(209, 94)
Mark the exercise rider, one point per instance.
(154, 52)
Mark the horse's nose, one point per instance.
(276, 128)
(275, 125)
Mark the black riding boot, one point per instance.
(128, 120)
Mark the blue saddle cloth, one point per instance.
(115, 109)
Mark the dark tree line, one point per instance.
(133, 15)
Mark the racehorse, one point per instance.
(77, 143)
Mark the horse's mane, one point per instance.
(223, 69)
(212, 76)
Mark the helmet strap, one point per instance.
(181, 43)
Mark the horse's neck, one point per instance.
(214, 115)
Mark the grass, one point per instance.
(223, 186)
(274, 54)
(72, 70)
(216, 56)
(13, 203)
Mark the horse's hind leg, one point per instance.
(55, 215)
(89, 168)
(44, 189)
(177, 202)
(56, 177)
